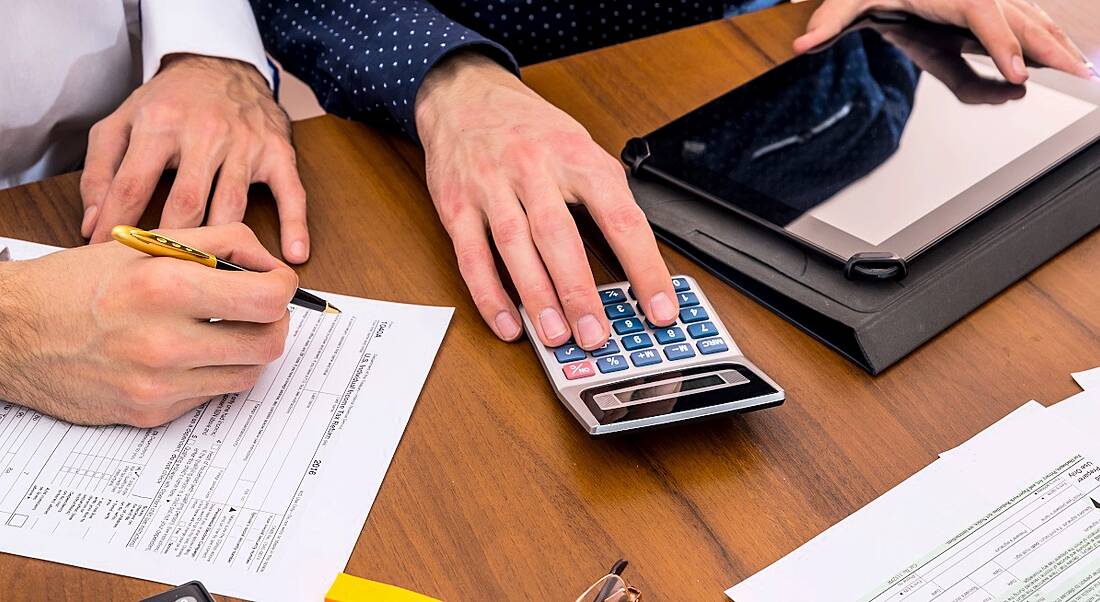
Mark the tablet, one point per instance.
(877, 146)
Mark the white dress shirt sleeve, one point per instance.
(216, 28)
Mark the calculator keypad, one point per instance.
(579, 370)
(647, 357)
(569, 352)
(693, 314)
(619, 310)
(712, 345)
(637, 341)
(609, 348)
(627, 326)
(611, 364)
(645, 343)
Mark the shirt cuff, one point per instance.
(215, 28)
(405, 114)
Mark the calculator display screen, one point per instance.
(679, 387)
(675, 391)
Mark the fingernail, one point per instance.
(298, 250)
(507, 327)
(590, 332)
(662, 308)
(553, 326)
(89, 218)
(1019, 67)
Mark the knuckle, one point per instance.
(540, 290)
(624, 218)
(246, 379)
(271, 304)
(470, 257)
(156, 277)
(576, 295)
(239, 230)
(159, 116)
(189, 201)
(485, 298)
(216, 128)
(1054, 29)
(158, 356)
(144, 393)
(129, 191)
(272, 345)
(454, 210)
(510, 230)
(551, 227)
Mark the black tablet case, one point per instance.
(875, 324)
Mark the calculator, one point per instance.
(647, 375)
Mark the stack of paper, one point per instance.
(259, 494)
(1013, 515)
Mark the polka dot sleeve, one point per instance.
(365, 59)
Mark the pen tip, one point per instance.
(331, 309)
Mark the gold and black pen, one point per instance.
(159, 245)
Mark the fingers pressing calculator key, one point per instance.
(648, 375)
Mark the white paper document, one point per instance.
(260, 494)
(1012, 515)
(1088, 379)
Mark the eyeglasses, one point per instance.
(611, 588)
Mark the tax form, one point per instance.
(1012, 515)
(259, 494)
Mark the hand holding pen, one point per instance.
(114, 336)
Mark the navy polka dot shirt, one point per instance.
(365, 59)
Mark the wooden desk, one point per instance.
(495, 493)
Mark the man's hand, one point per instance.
(104, 334)
(1008, 29)
(502, 159)
(204, 116)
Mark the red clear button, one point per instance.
(579, 370)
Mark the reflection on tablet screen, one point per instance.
(887, 140)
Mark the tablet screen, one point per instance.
(945, 148)
(863, 147)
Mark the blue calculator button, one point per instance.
(702, 330)
(627, 326)
(680, 285)
(619, 310)
(645, 358)
(609, 348)
(612, 295)
(637, 341)
(709, 346)
(679, 352)
(630, 291)
(611, 364)
(667, 336)
(568, 353)
(693, 314)
(687, 299)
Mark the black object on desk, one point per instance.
(873, 149)
(192, 591)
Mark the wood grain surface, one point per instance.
(496, 494)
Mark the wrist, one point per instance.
(458, 80)
(211, 64)
(14, 343)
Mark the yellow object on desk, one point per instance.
(348, 588)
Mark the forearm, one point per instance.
(369, 64)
